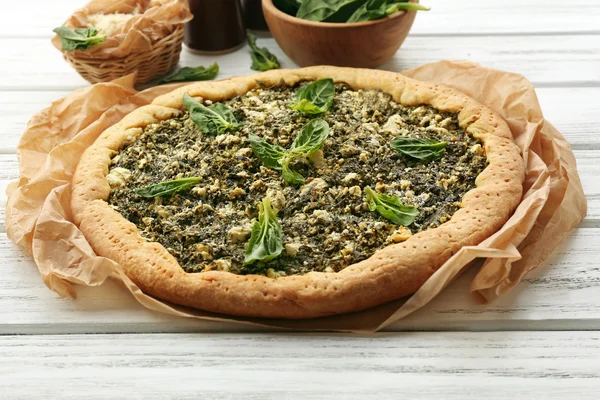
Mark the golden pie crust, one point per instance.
(393, 272)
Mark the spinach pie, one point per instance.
(296, 193)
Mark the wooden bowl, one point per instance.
(361, 44)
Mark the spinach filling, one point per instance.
(198, 190)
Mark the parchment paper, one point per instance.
(156, 19)
(39, 215)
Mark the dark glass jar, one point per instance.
(217, 26)
(253, 15)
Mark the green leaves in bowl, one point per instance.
(192, 74)
(315, 98)
(419, 149)
(266, 239)
(169, 187)
(78, 38)
(391, 208)
(215, 119)
(262, 58)
(346, 10)
(309, 140)
(288, 6)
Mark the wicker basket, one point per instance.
(163, 57)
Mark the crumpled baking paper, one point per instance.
(39, 216)
(156, 19)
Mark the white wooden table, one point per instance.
(540, 341)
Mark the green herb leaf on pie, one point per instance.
(215, 119)
(262, 58)
(315, 98)
(191, 74)
(419, 149)
(169, 187)
(266, 238)
(391, 208)
(311, 138)
(78, 38)
(289, 175)
(269, 154)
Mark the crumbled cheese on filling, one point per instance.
(108, 24)
(326, 222)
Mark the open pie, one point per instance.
(296, 193)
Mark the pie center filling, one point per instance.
(334, 181)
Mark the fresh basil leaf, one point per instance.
(391, 208)
(169, 187)
(289, 175)
(328, 10)
(315, 98)
(78, 38)
(288, 6)
(310, 139)
(266, 239)
(405, 6)
(420, 149)
(262, 58)
(215, 119)
(371, 10)
(191, 74)
(268, 153)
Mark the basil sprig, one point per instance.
(395, 6)
(215, 119)
(315, 98)
(391, 208)
(377, 9)
(309, 140)
(168, 188)
(420, 149)
(347, 10)
(262, 58)
(78, 38)
(191, 74)
(266, 239)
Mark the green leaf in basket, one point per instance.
(78, 38)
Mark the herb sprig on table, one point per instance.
(309, 140)
(262, 58)
(192, 74)
(345, 10)
(78, 38)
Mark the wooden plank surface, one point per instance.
(460, 365)
(456, 17)
(552, 60)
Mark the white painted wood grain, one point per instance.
(561, 295)
(564, 60)
(413, 365)
(456, 17)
